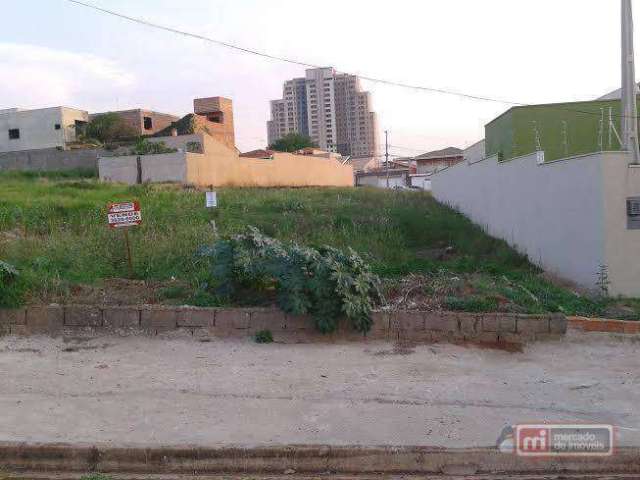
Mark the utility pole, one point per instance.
(629, 118)
(386, 154)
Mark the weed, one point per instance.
(264, 336)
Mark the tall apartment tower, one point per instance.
(329, 107)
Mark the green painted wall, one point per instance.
(513, 133)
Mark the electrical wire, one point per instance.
(310, 65)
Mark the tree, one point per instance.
(292, 142)
(109, 127)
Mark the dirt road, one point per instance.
(177, 391)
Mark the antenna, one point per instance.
(612, 129)
(565, 138)
(601, 130)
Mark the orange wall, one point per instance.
(222, 166)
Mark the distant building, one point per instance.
(205, 155)
(143, 122)
(329, 107)
(218, 111)
(42, 128)
(437, 160)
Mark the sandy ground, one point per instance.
(176, 391)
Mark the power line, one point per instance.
(310, 65)
(289, 60)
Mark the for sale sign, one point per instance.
(124, 214)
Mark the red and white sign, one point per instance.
(125, 214)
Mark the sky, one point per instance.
(53, 52)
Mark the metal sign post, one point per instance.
(211, 201)
(124, 215)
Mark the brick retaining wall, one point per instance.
(413, 327)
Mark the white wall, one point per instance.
(380, 181)
(421, 181)
(552, 212)
(165, 167)
(37, 128)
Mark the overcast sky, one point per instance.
(54, 53)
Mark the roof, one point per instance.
(445, 152)
(260, 153)
(615, 95)
(362, 163)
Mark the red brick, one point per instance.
(632, 327)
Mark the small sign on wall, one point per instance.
(212, 200)
(633, 213)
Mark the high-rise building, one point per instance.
(330, 108)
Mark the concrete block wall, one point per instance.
(50, 159)
(403, 327)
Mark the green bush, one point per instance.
(8, 275)
(325, 283)
(109, 127)
(473, 303)
(145, 147)
(96, 476)
(264, 336)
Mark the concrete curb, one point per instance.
(604, 325)
(60, 459)
(400, 326)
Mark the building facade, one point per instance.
(431, 162)
(42, 128)
(143, 122)
(330, 108)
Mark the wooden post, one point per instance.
(126, 241)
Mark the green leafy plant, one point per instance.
(108, 128)
(145, 147)
(326, 283)
(292, 142)
(8, 275)
(96, 476)
(264, 336)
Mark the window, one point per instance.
(14, 134)
(148, 123)
(57, 126)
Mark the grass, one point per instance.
(53, 230)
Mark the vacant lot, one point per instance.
(53, 230)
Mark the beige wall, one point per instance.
(221, 166)
(622, 246)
